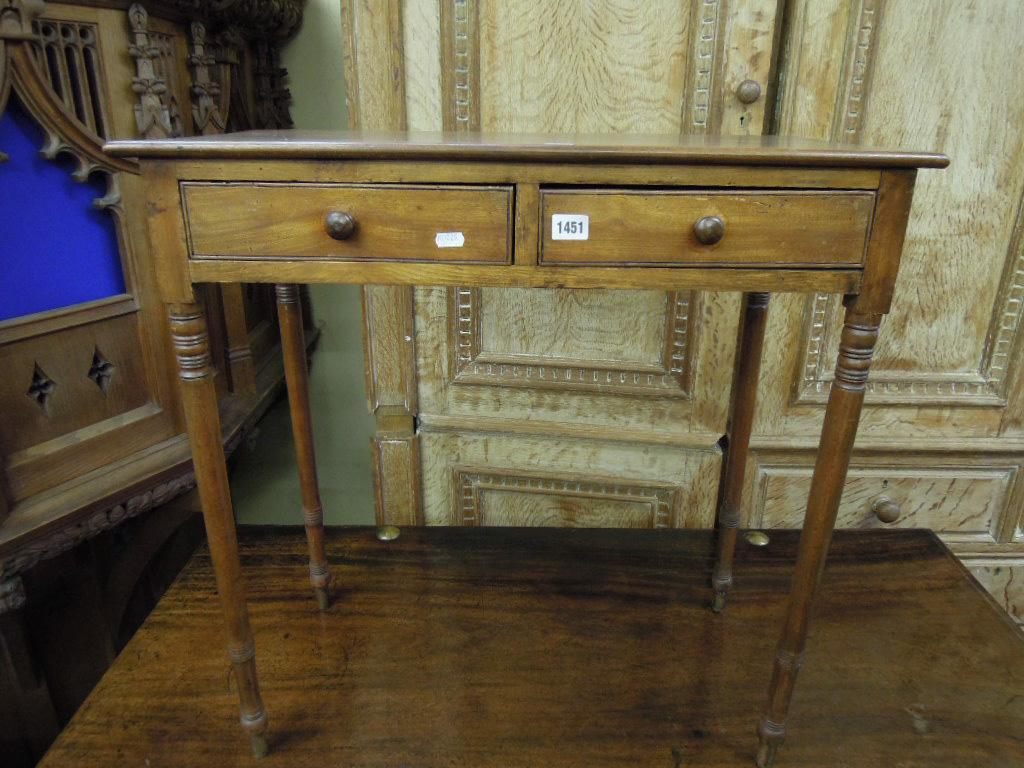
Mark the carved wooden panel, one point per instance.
(640, 344)
(575, 362)
(470, 478)
(71, 398)
(498, 497)
(68, 51)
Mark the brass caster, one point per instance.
(259, 745)
(756, 538)
(388, 533)
(323, 597)
(718, 602)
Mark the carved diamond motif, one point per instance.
(41, 388)
(101, 370)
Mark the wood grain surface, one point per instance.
(485, 647)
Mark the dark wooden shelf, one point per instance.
(538, 647)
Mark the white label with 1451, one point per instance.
(570, 226)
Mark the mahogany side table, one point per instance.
(754, 215)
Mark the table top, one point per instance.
(481, 647)
(654, 149)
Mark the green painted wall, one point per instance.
(264, 481)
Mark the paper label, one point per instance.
(450, 239)
(570, 226)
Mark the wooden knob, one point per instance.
(709, 229)
(748, 91)
(340, 225)
(886, 510)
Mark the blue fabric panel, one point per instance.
(56, 249)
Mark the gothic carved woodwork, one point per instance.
(92, 434)
(272, 96)
(152, 117)
(944, 407)
(97, 369)
(16, 17)
(205, 107)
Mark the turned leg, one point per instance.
(199, 399)
(741, 419)
(860, 331)
(293, 344)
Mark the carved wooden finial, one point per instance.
(16, 18)
(205, 108)
(151, 115)
(272, 96)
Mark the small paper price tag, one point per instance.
(450, 239)
(570, 226)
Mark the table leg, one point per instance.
(741, 419)
(199, 399)
(856, 347)
(293, 344)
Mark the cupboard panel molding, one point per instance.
(460, 65)
(476, 478)
(537, 498)
(472, 363)
(705, 57)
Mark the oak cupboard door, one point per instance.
(948, 353)
(543, 387)
(944, 402)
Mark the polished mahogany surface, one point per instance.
(482, 647)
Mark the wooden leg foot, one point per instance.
(199, 401)
(771, 736)
(323, 597)
(293, 344)
(320, 576)
(721, 579)
(718, 602)
(259, 745)
(841, 416)
(766, 753)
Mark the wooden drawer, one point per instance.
(954, 500)
(455, 224)
(644, 227)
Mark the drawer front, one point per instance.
(645, 227)
(965, 500)
(464, 225)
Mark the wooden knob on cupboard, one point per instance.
(748, 91)
(340, 225)
(709, 229)
(886, 510)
